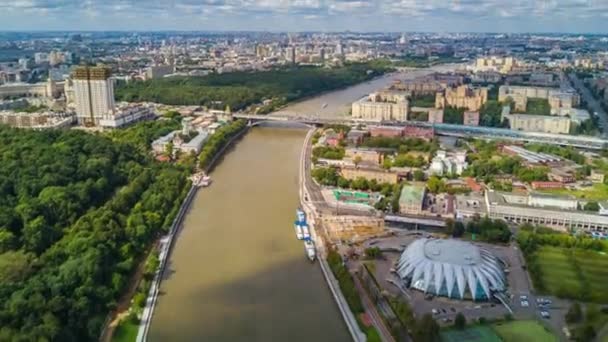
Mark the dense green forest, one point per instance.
(242, 89)
(77, 212)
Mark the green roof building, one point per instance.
(412, 199)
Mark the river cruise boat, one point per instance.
(299, 231)
(311, 252)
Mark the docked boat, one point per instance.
(310, 249)
(299, 231)
(301, 216)
(305, 232)
(205, 181)
(200, 179)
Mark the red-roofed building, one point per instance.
(386, 131)
(473, 185)
(419, 132)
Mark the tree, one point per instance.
(449, 226)
(169, 149)
(373, 252)
(574, 314)
(427, 329)
(357, 160)
(435, 185)
(587, 333)
(418, 175)
(591, 206)
(460, 321)
(458, 230)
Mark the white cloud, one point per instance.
(234, 12)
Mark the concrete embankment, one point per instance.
(332, 282)
(166, 245)
(221, 152)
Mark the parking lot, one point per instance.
(445, 309)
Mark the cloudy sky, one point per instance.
(302, 15)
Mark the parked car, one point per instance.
(545, 314)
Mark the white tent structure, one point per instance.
(451, 268)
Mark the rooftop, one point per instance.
(453, 252)
(412, 194)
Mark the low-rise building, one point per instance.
(561, 176)
(539, 123)
(366, 155)
(369, 173)
(411, 199)
(558, 213)
(596, 176)
(386, 131)
(537, 185)
(471, 118)
(436, 115)
(356, 137)
(444, 164)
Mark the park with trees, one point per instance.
(79, 212)
(243, 89)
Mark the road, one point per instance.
(374, 316)
(592, 103)
(314, 191)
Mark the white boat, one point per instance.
(299, 233)
(310, 249)
(205, 181)
(305, 231)
(301, 216)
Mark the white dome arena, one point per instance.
(451, 268)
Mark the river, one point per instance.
(338, 103)
(237, 272)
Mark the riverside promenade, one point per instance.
(332, 282)
(166, 244)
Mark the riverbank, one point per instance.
(165, 246)
(347, 314)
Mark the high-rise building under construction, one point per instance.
(93, 94)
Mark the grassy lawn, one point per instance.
(125, 332)
(538, 107)
(597, 192)
(479, 333)
(517, 331)
(560, 273)
(557, 270)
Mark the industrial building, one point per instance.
(558, 212)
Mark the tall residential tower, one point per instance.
(93, 94)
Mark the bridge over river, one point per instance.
(585, 142)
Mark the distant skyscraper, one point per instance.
(291, 54)
(93, 94)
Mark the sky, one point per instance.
(575, 16)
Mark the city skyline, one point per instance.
(568, 16)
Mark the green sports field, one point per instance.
(517, 331)
(571, 274)
(478, 333)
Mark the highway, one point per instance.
(592, 103)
